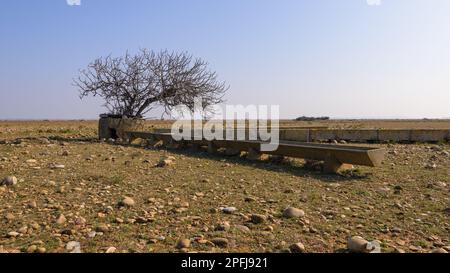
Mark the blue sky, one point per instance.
(344, 59)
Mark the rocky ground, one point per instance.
(73, 194)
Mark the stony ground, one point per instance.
(71, 196)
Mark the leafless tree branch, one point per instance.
(134, 84)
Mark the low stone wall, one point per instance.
(360, 135)
(367, 135)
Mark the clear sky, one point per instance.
(343, 59)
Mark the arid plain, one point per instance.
(75, 193)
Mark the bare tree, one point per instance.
(134, 84)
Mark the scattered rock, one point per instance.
(398, 250)
(73, 247)
(32, 249)
(102, 228)
(44, 140)
(166, 161)
(80, 221)
(242, 228)
(9, 181)
(396, 230)
(41, 250)
(414, 248)
(439, 250)
(225, 226)
(23, 230)
(374, 246)
(229, 210)
(292, 212)
(61, 220)
(13, 234)
(249, 199)
(199, 194)
(258, 218)
(289, 191)
(57, 166)
(220, 242)
(183, 243)
(182, 205)
(127, 202)
(142, 220)
(10, 216)
(269, 228)
(297, 248)
(111, 250)
(69, 232)
(358, 244)
(32, 204)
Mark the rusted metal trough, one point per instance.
(335, 157)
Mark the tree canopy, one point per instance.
(132, 85)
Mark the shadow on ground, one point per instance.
(293, 167)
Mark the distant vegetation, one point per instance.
(303, 118)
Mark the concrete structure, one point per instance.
(334, 156)
(357, 135)
(114, 126)
(367, 135)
